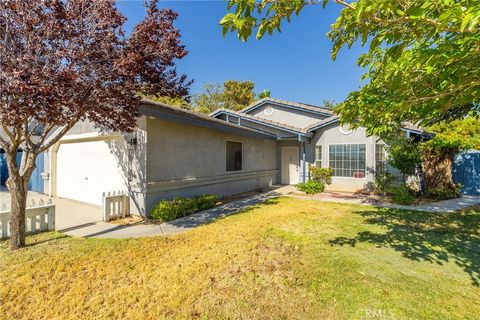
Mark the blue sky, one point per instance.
(294, 64)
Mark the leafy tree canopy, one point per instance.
(238, 94)
(171, 101)
(234, 95)
(330, 104)
(460, 134)
(403, 154)
(264, 94)
(422, 62)
(68, 61)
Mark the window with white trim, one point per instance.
(318, 156)
(347, 160)
(380, 158)
(233, 156)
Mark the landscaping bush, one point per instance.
(402, 194)
(311, 187)
(444, 193)
(322, 175)
(179, 207)
(383, 183)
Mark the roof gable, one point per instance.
(288, 104)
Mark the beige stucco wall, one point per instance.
(332, 135)
(186, 160)
(296, 118)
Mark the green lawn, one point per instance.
(287, 259)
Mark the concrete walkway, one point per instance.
(110, 230)
(440, 206)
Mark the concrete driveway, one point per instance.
(69, 214)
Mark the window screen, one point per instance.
(234, 156)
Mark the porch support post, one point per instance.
(304, 167)
(228, 118)
(238, 120)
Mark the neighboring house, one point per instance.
(175, 152)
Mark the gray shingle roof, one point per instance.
(262, 120)
(298, 105)
(322, 123)
(187, 114)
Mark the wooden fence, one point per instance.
(39, 217)
(115, 205)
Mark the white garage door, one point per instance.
(87, 169)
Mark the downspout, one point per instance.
(304, 169)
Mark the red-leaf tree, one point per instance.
(67, 61)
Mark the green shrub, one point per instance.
(402, 194)
(179, 207)
(323, 175)
(383, 183)
(311, 187)
(445, 193)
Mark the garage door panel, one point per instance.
(87, 169)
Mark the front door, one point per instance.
(290, 165)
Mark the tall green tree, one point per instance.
(182, 102)
(438, 154)
(210, 99)
(330, 104)
(238, 94)
(264, 94)
(234, 95)
(422, 61)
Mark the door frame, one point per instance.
(284, 167)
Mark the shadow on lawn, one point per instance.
(421, 236)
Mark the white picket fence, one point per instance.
(39, 217)
(115, 205)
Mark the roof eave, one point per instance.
(323, 124)
(268, 124)
(152, 109)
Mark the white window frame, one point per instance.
(384, 154)
(317, 160)
(366, 157)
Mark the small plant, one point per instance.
(383, 183)
(179, 207)
(402, 194)
(311, 187)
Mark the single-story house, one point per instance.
(176, 152)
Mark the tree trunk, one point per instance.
(18, 190)
(17, 184)
(437, 169)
